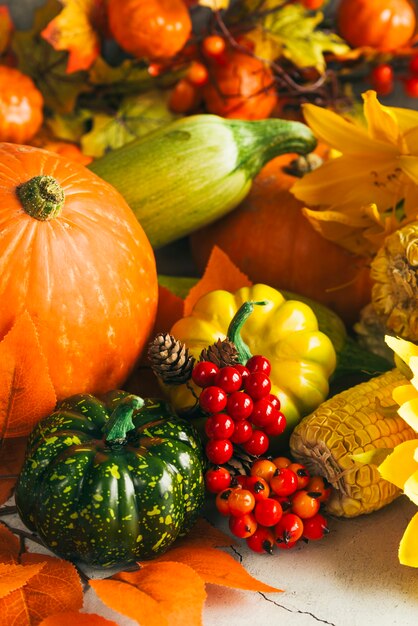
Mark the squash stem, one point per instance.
(234, 329)
(120, 422)
(42, 197)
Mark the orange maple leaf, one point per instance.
(220, 273)
(14, 576)
(81, 619)
(55, 588)
(74, 29)
(9, 546)
(26, 393)
(12, 455)
(170, 309)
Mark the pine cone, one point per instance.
(241, 462)
(222, 353)
(170, 359)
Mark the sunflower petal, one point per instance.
(339, 133)
(408, 547)
(406, 118)
(403, 348)
(401, 464)
(382, 123)
(409, 413)
(404, 393)
(409, 165)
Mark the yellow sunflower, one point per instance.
(401, 466)
(371, 188)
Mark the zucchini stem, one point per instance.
(234, 329)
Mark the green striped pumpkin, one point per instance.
(110, 481)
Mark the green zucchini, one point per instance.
(192, 171)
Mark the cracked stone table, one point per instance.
(352, 577)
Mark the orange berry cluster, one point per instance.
(277, 504)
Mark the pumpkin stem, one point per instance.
(234, 329)
(120, 422)
(42, 197)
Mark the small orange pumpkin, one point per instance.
(73, 255)
(21, 106)
(270, 240)
(381, 24)
(242, 87)
(150, 28)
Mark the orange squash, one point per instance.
(241, 87)
(150, 28)
(21, 106)
(73, 255)
(381, 24)
(270, 240)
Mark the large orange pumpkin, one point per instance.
(270, 240)
(73, 255)
(382, 24)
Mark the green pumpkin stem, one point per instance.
(42, 197)
(234, 329)
(120, 422)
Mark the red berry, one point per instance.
(284, 502)
(320, 487)
(274, 400)
(268, 512)
(315, 527)
(284, 482)
(263, 413)
(240, 480)
(244, 371)
(258, 487)
(242, 432)
(258, 363)
(241, 501)
(312, 4)
(277, 425)
(263, 468)
(217, 479)
(289, 529)
(261, 541)
(219, 451)
(212, 399)
(221, 501)
(382, 79)
(197, 74)
(203, 373)
(257, 385)
(281, 461)
(243, 526)
(229, 379)
(411, 86)
(239, 405)
(302, 474)
(213, 46)
(257, 444)
(413, 64)
(304, 505)
(219, 426)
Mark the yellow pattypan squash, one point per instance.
(285, 331)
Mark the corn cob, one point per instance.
(351, 423)
(192, 171)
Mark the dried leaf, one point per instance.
(71, 126)
(9, 546)
(220, 273)
(216, 567)
(130, 601)
(27, 392)
(12, 455)
(292, 32)
(181, 602)
(14, 576)
(204, 535)
(74, 30)
(46, 66)
(135, 117)
(80, 619)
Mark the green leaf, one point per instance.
(292, 32)
(46, 66)
(69, 126)
(376, 456)
(136, 117)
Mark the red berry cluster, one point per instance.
(240, 408)
(382, 78)
(276, 505)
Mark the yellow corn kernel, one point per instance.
(354, 421)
